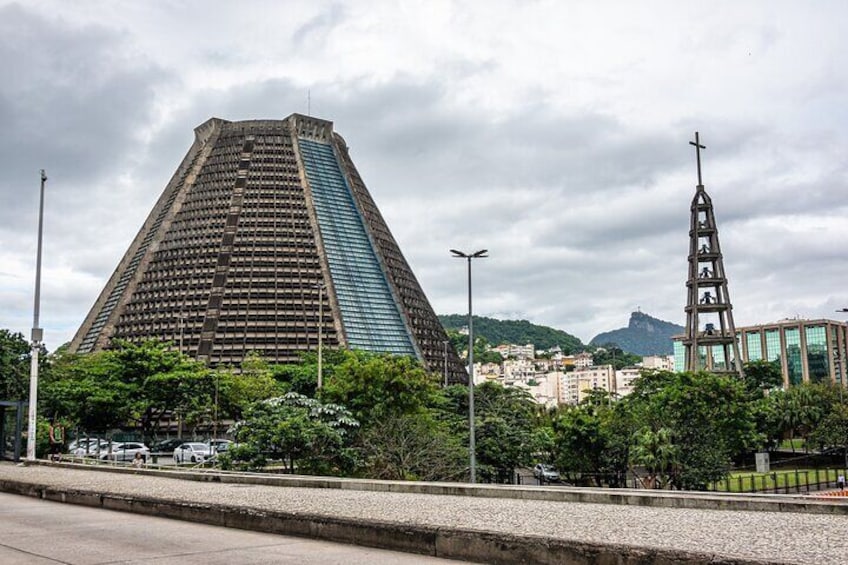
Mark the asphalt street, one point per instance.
(36, 532)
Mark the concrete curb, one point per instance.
(451, 543)
(659, 499)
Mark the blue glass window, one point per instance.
(793, 355)
(370, 316)
(817, 360)
(755, 349)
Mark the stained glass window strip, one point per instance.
(369, 313)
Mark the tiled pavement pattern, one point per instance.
(786, 537)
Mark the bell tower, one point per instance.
(710, 342)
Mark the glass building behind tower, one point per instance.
(804, 350)
(266, 235)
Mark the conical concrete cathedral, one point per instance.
(265, 232)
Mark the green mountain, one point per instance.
(519, 332)
(644, 335)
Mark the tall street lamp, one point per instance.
(320, 287)
(469, 256)
(445, 343)
(842, 373)
(37, 333)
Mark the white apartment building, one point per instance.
(583, 359)
(544, 388)
(662, 362)
(518, 369)
(517, 351)
(575, 386)
(624, 380)
(567, 391)
(600, 377)
(487, 371)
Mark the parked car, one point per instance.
(90, 447)
(192, 451)
(125, 451)
(219, 445)
(167, 445)
(546, 473)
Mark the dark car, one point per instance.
(167, 446)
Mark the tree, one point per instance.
(587, 445)
(832, 432)
(505, 430)
(802, 407)
(656, 452)
(305, 434)
(375, 386)
(709, 417)
(611, 354)
(15, 355)
(88, 391)
(762, 376)
(237, 391)
(413, 447)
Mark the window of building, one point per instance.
(773, 345)
(755, 348)
(817, 361)
(793, 355)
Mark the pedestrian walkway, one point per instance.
(466, 527)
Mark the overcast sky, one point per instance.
(555, 134)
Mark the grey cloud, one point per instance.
(73, 103)
(317, 28)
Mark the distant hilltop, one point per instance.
(644, 335)
(518, 332)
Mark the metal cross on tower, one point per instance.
(698, 147)
(710, 341)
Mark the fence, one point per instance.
(789, 481)
(784, 481)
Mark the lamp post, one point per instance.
(471, 447)
(37, 333)
(842, 372)
(445, 343)
(320, 287)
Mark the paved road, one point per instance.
(784, 537)
(38, 532)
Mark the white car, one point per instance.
(546, 473)
(192, 451)
(125, 451)
(219, 445)
(88, 448)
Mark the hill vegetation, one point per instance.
(645, 335)
(519, 332)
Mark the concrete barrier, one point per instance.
(452, 543)
(650, 498)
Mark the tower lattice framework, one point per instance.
(710, 342)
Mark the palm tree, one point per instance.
(657, 453)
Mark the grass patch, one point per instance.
(798, 444)
(779, 481)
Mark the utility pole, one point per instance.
(37, 334)
(471, 439)
(446, 361)
(320, 286)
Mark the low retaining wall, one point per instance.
(452, 543)
(651, 498)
